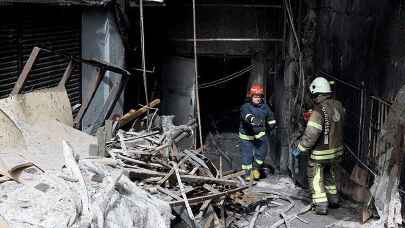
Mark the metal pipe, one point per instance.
(228, 39)
(196, 90)
(133, 4)
(371, 131)
(236, 5)
(359, 146)
(381, 100)
(358, 87)
(145, 82)
(284, 31)
(359, 160)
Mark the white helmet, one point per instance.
(320, 85)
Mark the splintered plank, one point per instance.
(183, 192)
(185, 178)
(207, 197)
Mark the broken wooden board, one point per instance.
(11, 164)
(359, 176)
(183, 192)
(365, 214)
(207, 197)
(185, 178)
(133, 114)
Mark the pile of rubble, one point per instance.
(86, 193)
(48, 178)
(199, 193)
(179, 177)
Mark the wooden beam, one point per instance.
(233, 175)
(207, 197)
(133, 114)
(138, 162)
(164, 179)
(185, 178)
(26, 70)
(66, 75)
(169, 193)
(183, 192)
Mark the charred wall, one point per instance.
(393, 55)
(357, 40)
(362, 41)
(225, 29)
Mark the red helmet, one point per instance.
(256, 89)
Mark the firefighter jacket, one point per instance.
(324, 132)
(253, 121)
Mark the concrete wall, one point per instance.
(178, 92)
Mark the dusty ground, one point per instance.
(344, 217)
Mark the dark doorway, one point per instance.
(220, 103)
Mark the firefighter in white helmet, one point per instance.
(323, 140)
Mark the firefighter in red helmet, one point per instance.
(255, 117)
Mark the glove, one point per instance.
(272, 126)
(296, 152)
(258, 129)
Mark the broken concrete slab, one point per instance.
(11, 163)
(44, 146)
(50, 201)
(36, 123)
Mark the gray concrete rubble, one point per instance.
(55, 199)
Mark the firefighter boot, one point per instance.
(256, 174)
(333, 201)
(247, 176)
(257, 169)
(321, 208)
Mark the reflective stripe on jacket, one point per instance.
(249, 112)
(324, 132)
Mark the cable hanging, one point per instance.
(301, 83)
(228, 78)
